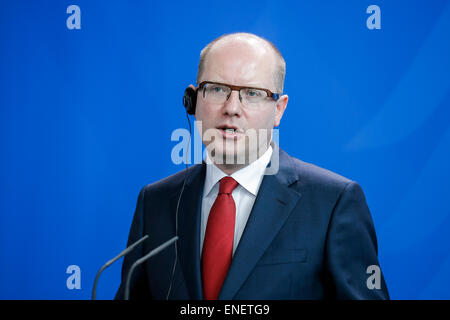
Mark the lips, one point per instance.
(230, 131)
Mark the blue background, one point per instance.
(86, 118)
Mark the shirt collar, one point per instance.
(249, 177)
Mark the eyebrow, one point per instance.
(252, 85)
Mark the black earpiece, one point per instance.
(190, 100)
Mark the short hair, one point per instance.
(280, 68)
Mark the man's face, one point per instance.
(244, 64)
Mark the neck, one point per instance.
(229, 169)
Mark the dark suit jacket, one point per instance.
(310, 235)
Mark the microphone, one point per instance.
(143, 259)
(110, 262)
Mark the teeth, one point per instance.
(231, 130)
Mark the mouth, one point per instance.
(230, 132)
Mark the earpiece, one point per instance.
(190, 100)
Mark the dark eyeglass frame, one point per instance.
(270, 94)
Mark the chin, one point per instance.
(234, 152)
(228, 154)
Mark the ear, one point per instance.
(281, 106)
(194, 88)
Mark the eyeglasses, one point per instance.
(216, 92)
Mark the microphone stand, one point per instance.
(110, 262)
(143, 259)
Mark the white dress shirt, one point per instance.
(244, 195)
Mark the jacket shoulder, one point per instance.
(312, 172)
(316, 177)
(172, 183)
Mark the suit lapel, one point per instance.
(189, 229)
(274, 203)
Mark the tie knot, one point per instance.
(227, 185)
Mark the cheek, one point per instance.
(201, 113)
(262, 119)
(204, 115)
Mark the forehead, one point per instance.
(247, 62)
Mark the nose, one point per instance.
(233, 105)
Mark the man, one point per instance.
(301, 233)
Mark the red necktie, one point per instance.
(218, 243)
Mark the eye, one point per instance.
(214, 88)
(253, 93)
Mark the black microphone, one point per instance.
(143, 259)
(110, 262)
